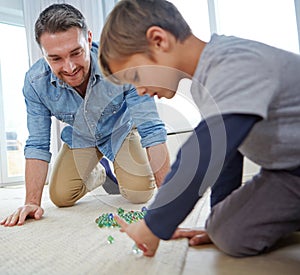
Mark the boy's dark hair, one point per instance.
(59, 18)
(124, 32)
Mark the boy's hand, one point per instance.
(141, 234)
(195, 236)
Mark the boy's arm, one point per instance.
(182, 188)
(170, 208)
(229, 180)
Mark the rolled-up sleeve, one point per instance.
(38, 124)
(146, 118)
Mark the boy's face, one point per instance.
(149, 77)
(68, 55)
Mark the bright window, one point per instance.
(195, 12)
(13, 65)
(268, 21)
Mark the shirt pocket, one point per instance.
(111, 109)
(65, 117)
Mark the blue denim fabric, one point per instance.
(103, 118)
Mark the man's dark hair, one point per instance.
(59, 18)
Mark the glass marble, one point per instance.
(136, 250)
(110, 239)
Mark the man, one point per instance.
(248, 95)
(106, 120)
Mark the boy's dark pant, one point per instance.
(255, 216)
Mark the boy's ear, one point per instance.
(158, 38)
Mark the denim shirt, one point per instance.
(102, 119)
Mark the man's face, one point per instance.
(68, 55)
(147, 76)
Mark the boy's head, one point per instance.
(130, 34)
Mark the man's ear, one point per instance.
(158, 38)
(90, 39)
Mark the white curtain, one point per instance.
(95, 12)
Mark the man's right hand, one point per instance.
(19, 216)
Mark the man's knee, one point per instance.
(135, 187)
(61, 198)
(65, 197)
(135, 196)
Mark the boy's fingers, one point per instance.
(185, 233)
(200, 239)
(149, 251)
(196, 236)
(121, 222)
(142, 247)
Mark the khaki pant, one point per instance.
(75, 170)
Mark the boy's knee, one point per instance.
(235, 240)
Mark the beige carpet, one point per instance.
(68, 241)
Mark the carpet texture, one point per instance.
(68, 241)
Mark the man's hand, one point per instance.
(159, 159)
(20, 215)
(141, 234)
(195, 236)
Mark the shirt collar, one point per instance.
(95, 69)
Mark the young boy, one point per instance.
(248, 95)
